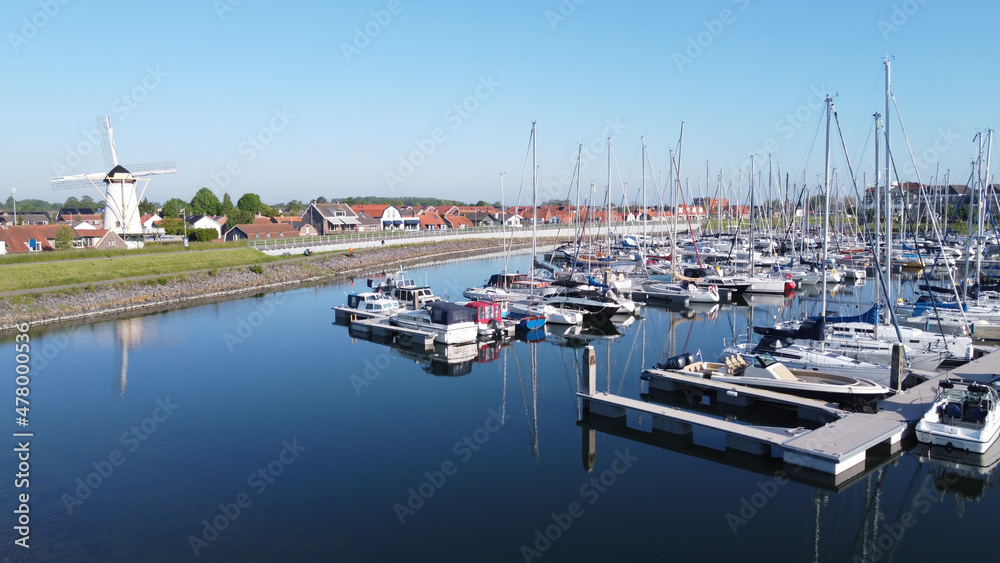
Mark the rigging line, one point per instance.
(812, 144)
(875, 253)
(934, 225)
(637, 156)
(871, 94)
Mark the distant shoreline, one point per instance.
(86, 303)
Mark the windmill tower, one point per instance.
(121, 210)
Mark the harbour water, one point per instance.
(260, 430)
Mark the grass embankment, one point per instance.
(14, 277)
(149, 248)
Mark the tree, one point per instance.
(206, 203)
(86, 201)
(250, 202)
(64, 237)
(295, 206)
(227, 204)
(172, 207)
(173, 226)
(321, 199)
(71, 202)
(482, 203)
(239, 217)
(146, 207)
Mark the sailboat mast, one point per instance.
(534, 213)
(986, 182)
(826, 202)
(876, 195)
(644, 212)
(888, 197)
(751, 215)
(607, 217)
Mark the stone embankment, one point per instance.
(86, 302)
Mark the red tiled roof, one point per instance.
(457, 221)
(17, 237)
(373, 209)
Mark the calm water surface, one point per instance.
(259, 430)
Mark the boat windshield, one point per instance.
(765, 360)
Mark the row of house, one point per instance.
(16, 239)
(333, 218)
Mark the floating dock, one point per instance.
(840, 447)
(380, 327)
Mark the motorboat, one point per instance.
(489, 319)
(404, 289)
(963, 416)
(368, 304)
(767, 373)
(805, 357)
(450, 322)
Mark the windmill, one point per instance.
(121, 209)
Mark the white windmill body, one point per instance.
(121, 209)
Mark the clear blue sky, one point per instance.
(192, 81)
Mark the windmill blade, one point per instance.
(77, 181)
(151, 168)
(107, 142)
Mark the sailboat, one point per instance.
(525, 313)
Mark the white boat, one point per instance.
(963, 416)
(450, 322)
(802, 357)
(368, 305)
(767, 373)
(684, 290)
(552, 313)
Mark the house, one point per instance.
(431, 222)
(305, 229)
(74, 211)
(91, 218)
(509, 219)
(389, 215)
(331, 218)
(457, 221)
(411, 221)
(26, 218)
(261, 231)
(27, 238)
(204, 222)
(99, 239)
(367, 223)
(148, 221)
(480, 218)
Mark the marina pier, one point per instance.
(840, 446)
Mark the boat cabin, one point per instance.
(370, 302)
(486, 312)
(446, 313)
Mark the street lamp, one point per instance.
(13, 192)
(184, 221)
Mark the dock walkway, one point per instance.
(838, 448)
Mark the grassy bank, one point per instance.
(149, 248)
(14, 277)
